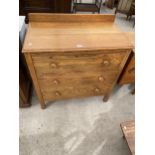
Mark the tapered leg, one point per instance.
(43, 106)
(133, 91)
(127, 17)
(106, 97)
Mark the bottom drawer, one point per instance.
(78, 86)
(74, 91)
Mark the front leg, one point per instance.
(133, 91)
(43, 106)
(106, 97)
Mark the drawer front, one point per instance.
(67, 87)
(69, 65)
(71, 92)
(63, 76)
(51, 83)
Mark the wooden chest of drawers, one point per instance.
(74, 55)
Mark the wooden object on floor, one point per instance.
(131, 11)
(111, 3)
(128, 129)
(125, 7)
(87, 7)
(74, 55)
(44, 6)
(24, 81)
(24, 88)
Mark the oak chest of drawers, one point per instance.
(71, 55)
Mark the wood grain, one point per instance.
(73, 35)
(74, 42)
(50, 83)
(131, 38)
(45, 17)
(35, 80)
(82, 70)
(128, 73)
(81, 63)
(74, 91)
(128, 129)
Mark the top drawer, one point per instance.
(58, 64)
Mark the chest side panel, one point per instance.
(128, 75)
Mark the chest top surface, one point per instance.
(74, 32)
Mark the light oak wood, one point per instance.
(128, 74)
(73, 36)
(131, 37)
(74, 42)
(81, 62)
(75, 56)
(128, 129)
(45, 17)
(35, 80)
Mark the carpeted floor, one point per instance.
(79, 126)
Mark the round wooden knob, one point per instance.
(57, 93)
(53, 65)
(106, 62)
(97, 90)
(101, 78)
(56, 82)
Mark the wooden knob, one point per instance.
(53, 65)
(97, 90)
(57, 93)
(56, 82)
(101, 78)
(106, 62)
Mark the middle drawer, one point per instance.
(66, 87)
(50, 82)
